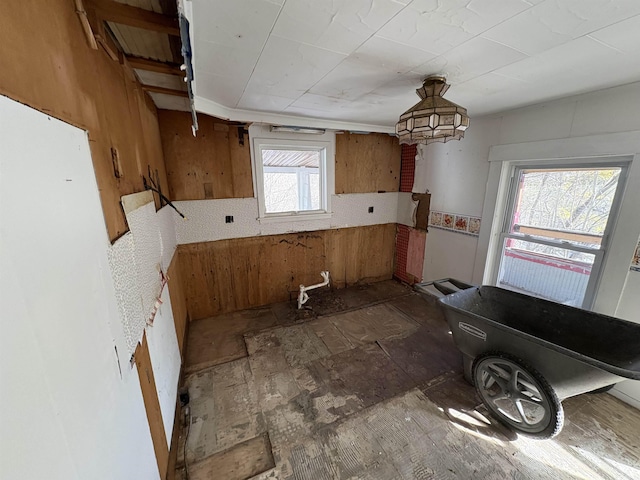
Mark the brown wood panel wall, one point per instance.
(367, 163)
(228, 275)
(215, 164)
(152, 405)
(55, 71)
(178, 302)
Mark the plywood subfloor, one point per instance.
(376, 392)
(219, 339)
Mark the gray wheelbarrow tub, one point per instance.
(577, 351)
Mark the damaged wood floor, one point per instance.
(368, 385)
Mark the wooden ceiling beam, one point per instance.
(165, 91)
(154, 66)
(111, 11)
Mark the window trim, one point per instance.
(261, 138)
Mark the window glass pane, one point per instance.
(291, 180)
(571, 205)
(558, 274)
(314, 181)
(280, 192)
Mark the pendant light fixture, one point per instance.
(432, 119)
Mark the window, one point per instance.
(556, 230)
(293, 178)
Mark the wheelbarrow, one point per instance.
(525, 354)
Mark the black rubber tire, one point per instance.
(553, 420)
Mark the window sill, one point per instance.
(294, 217)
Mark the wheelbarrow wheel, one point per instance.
(518, 396)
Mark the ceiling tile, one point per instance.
(339, 26)
(402, 87)
(219, 88)
(266, 103)
(243, 25)
(288, 69)
(390, 55)
(352, 79)
(230, 61)
(554, 22)
(471, 59)
(439, 26)
(488, 87)
(557, 64)
(622, 36)
(579, 66)
(319, 102)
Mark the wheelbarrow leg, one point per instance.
(467, 363)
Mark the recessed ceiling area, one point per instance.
(360, 61)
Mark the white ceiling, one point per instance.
(360, 61)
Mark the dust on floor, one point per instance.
(369, 386)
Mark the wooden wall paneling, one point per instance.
(211, 165)
(178, 302)
(337, 248)
(175, 443)
(367, 163)
(193, 273)
(187, 171)
(377, 253)
(152, 405)
(237, 274)
(221, 158)
(363, 254)
(241, 172)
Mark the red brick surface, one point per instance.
(407, 167)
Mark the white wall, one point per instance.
(596, 124)
(69, 409)
(165, 362)
(455, 173)
(629, 309)
(205, 219)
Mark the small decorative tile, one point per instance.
(635, 262)
(447, 220)
(461, 223)
(474, 225)
(436, 218)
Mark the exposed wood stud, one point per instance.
(102, 36)
(112, 11)
(154, 66)
(164, 90)
(142, 359)
(86, 26)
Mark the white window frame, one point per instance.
(263, 139)
(599, 254)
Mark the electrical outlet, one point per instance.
(370, 209)
(228, 219)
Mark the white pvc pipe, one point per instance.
(303, 297)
